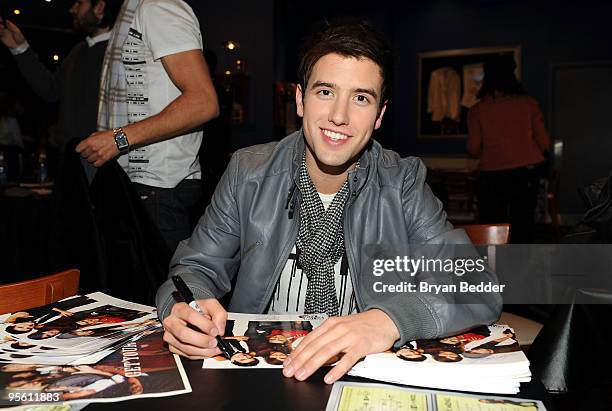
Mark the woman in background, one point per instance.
(507, 133)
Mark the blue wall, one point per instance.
(548, 32)
(251, 23)
(270, 32)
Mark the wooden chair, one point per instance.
(487, 234)
(499, 234)
(39, 291)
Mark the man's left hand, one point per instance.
(98, 148)
(355, 336)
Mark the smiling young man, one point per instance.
(340, 113)
(288, 223)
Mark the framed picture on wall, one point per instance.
(448, 82)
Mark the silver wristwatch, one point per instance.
(123, 145)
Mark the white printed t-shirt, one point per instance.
(160, 28)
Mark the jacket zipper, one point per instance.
(349, 250)
(252, 246)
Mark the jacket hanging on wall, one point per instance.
(444, 94)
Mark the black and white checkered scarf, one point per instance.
(321, 244)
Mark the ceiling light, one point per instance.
(231, 45)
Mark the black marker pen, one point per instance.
(185, 292)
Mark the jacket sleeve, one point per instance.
(209, 259)
(44, 82)
(420, 315)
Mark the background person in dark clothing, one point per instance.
(75, 84)
(507, 132)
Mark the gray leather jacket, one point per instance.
(245, 236)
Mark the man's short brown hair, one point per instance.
(358, 39)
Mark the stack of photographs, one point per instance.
(91, 348)
(78, 330)
(485, 359)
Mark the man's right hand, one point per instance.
(191, 334)
(10, 34)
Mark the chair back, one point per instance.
(499, 234)
(487, 234)
(39, 291)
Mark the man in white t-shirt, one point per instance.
(169, 95)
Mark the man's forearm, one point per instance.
(185, 113)
(196, 105)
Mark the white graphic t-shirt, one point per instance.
(160, 28)
(289, 295)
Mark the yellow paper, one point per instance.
(458, 403)
(381, 399)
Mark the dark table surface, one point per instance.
(259, 389)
